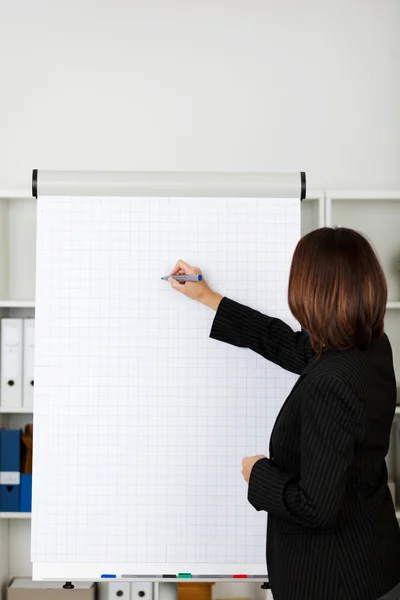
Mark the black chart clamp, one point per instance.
(303, 184)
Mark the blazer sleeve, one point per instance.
(331, 424)
(247, 328)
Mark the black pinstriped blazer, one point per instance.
(332, 527)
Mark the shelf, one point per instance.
(29, 411)
(24, 410)
(16, 195)
(17, 304)
(393, 304)
(314, 195)
(15, 515)
(363, 195)
(26, 515)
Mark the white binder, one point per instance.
(11, 363)
(29, 352)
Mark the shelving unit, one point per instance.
(17, 293)
(377, 215)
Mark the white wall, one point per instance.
(202, 85)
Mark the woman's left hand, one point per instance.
(248, 464)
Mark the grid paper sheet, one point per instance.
(141, 420)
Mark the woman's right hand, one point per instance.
(199, 290)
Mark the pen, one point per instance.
(183, 277)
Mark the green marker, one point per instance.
(185, 575)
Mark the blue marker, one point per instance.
(183, 277)
(108, 576)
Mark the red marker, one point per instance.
(240, 577)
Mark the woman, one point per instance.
(332, 528)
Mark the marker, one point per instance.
(108, 576)
(142, 576)
(184, 575)
(240, 577)
(212, 576)
(169, 576)
(183, 277)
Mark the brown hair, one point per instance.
(337, 289)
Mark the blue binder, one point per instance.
(10, 467)
(25, 496)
